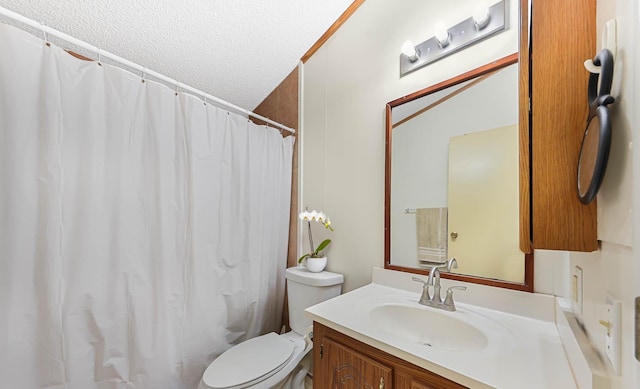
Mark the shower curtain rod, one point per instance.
(207, 97)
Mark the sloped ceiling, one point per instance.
(237, 50)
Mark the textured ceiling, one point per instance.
(237, 50)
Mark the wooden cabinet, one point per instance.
(556, 38)
(351, 369)
(341, 362)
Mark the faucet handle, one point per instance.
(420, 280)
(424, 298)
(448, 304)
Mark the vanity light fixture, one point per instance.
(443, 37)
(481, 17)
(409, 50)
(484, 22)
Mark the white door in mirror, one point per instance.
(484, 231)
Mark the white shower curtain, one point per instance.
(142, 233)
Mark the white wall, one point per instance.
(345, 87)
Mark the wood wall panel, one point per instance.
(282, 106)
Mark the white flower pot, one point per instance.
(316, 265)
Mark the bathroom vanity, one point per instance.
(381, 336)
(339, 358)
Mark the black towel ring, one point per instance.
(596, 141)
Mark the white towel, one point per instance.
(431, 229)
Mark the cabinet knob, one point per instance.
(381, 382)
(454, 235)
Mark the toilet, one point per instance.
(275, 361)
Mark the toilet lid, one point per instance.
(248, 362)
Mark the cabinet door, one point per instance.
(553, 114)
(346, 368)
(421, 379)
(418, 385)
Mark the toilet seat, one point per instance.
(249, 362)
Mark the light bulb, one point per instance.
(481, 17)
(410, 51)
(443, 37)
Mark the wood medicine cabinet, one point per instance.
(553, 112)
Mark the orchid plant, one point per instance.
(315, 216)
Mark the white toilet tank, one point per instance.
(305, 289)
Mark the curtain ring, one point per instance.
(205, 99)
(144, 74)
(177, 86)
(99, 57)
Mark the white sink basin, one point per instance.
(461, 330)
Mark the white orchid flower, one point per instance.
(315, 216)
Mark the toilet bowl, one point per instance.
(273, 361)
(263, 362)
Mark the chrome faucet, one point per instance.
(451, 264)
(434, 280)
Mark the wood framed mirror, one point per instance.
(452, 179)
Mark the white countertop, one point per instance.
(528, 354)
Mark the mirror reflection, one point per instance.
(453, 179)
